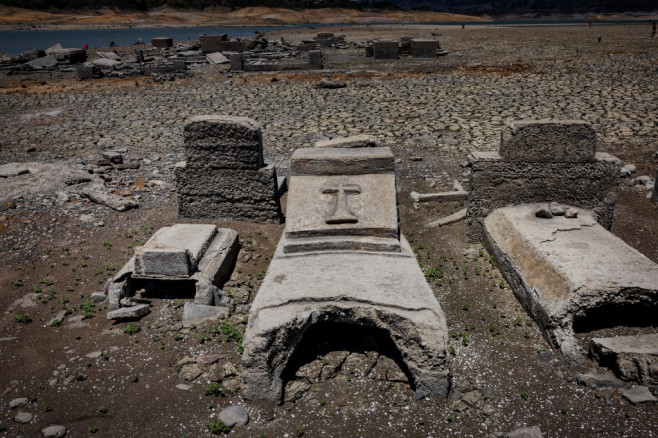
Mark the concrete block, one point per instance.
(633, 358)
(132, 312)
(342, 161)
(162, 42)
(315, 60)
(385, 49)
(565, 270)
(356, 141)
(237, 62)
(424, 48)
(212, 43)
(85, 71)
(198, 313)
(548, 141)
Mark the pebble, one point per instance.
(18, 403)
(95, 354)
(54, 431)
(183, 387)
(24, 417)
(234, 416)
(638, 395)
(544, 212)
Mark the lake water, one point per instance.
(15, 42)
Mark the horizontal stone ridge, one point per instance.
(342, 161)
(353, 243)
(221, 127)
(544, 141)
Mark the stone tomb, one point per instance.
(424, 48)
(566, 271)
(162, 42)
(224, 175)
(341, 260)
(546, 160)
(197, 253)
(385, 49)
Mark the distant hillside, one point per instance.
(474, 7)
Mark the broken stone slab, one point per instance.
(385, 49)
(115, 157)
(54, 431)
(106, 63)
(41, 63)
(439, 197)
(173, 251)
(346, 284)
(194, 314)
(455, 217)
(355, 141)
(600, 381)
(162, 42)
(109, 55)
(638, 395)
(132, 312)
(564, 271)
(217, 58)
(548, 141)
(525, 432)
(633, 358)
(424, 48)
(10, 170)
(115, 202)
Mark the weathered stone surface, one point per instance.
(315, 60)
(632, 358)
(525, 432)
(561, 269)
(24, 417)
(173, 251)
(132, 312)
(106, 63)
(548, 141)
(497, 183)
(13, 169)
(355, 141)
(638, 395)
(237, 61)
(224, 174)
(41, 63)
(18, 403)
(456, 195)
(162, 42)
(198, 313)
(424, 48)
(217, 58)
(115, 202)
(54, 431)
(385, 49)
(375, 287)
(212, 43)
(455, 217)
(234, 416)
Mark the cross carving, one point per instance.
(341, 213)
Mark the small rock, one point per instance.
(544, 212)
(18, 403)
(234, 416)
(133, 312)
(627, 170)
(525, 432)
(183, 387)
(95, 354)
(24, 417)
(189, 372)
(208, 359)
(98, 297)
(54, 431)
(639, 394)
(556, 209)
(571, 213)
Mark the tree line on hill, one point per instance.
(476, 7)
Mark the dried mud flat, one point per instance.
(431, 113)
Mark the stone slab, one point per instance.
(212, 43)
(132, 312)
(455, 195)
(342, 161)
(10, 170)
(199, 313)
(217, 58)
(639, 395)
(115, 202)
(424, 48)
(563, 268)
(162, 42)
(633, 358)
(355, 141)
(496, 183)
(173, 251)
(385, 49)
(548, 141)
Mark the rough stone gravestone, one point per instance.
(162, 42)
(342, 260)
(212, 43)
(424, 48)
(224, 175)
(542, 161)
(385, 49)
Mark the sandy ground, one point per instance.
(88, 374)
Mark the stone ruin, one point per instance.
(342, 260)
(407, 46)
(564, 267)
(251, 62)
(179, 258)
(224, 175)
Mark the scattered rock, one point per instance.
(184, 387)
(132, 312)
(544, 212)
(639, 394)
(118, 203)
(571, 213)
(556, 209)
(18, 403)
(525, 432)
(24, 417)
(234, 416)
(54, 431)
(95, 354)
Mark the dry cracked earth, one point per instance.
(78, 370)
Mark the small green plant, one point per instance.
(322, 402)
(88, 364)
(47, 281)
(449, 418)
(107, 244)
(47, 408)
(56, 323)
(78, 337)
(465, 307)
(421, 422)
(493, 330)
(23, 318)
(563, 411)
(131, 328)
(178, 337)
(176, 303)
(299, 432)
(41, 386)
(88, 308)
(260, 275)
(524, 395)
(452, 350)
(213, 389)
(105, 356)
(103, 410)
(17, 282)
(218, 427)
(203, 337)
(93, 429)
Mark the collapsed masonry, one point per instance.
(564, 267)
(407, 46)
(342, 260)
(224, 175)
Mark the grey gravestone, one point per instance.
(424, 48)
(162, 42)
(385, 49)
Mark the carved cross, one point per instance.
(341, 213)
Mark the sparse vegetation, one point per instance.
(23, 318)
(131, 328)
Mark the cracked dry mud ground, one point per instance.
(430, 113)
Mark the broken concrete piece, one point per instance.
(548, 141)
(217, 58)
(356, 141)
(564, 271)
(132, 312)
(455, 217)
(223, 175)
(633, 358)
(638, 395)
(106, 63)
(327, 283)
(40, 63)
(116, 202)
(198, 313)
(10, 170)
(439, 197)
(525, 432)
(424, 48)
(109, 55)
(385, 49)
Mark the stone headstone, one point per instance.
(315, 60)
(211, 43)
(237, 61)
(224, 175)
(341, 259)
(424, 48)
(162, 42)
(385, 49)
